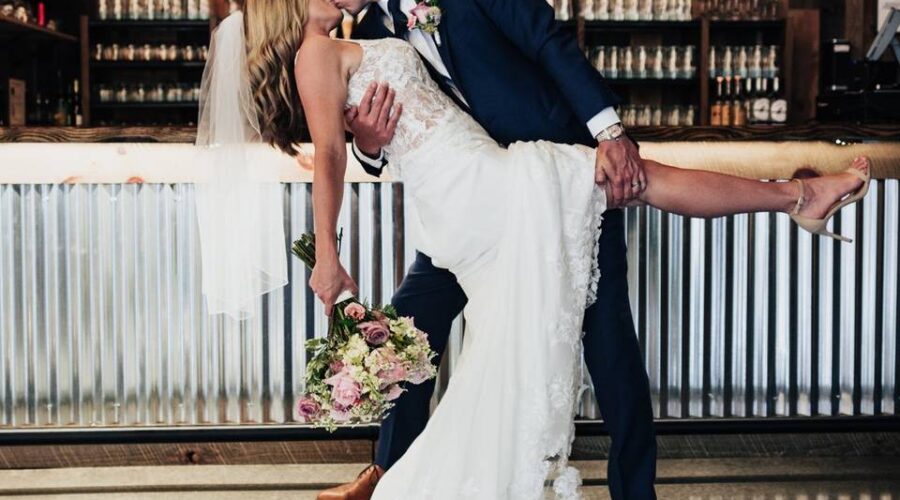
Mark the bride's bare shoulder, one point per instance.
(316, 50)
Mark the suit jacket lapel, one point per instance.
(444, 47)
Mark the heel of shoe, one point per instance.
(817, 226)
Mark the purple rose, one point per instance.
(375, 332)
(308, 408)
(344, 390)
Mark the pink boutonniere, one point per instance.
(425, 16)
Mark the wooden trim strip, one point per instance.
(130, 163)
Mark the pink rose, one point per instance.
(355, 310)
(336, 366)
(394, 392)
(419, 376)
(344, 390)
(392, 375)
(375, 332)
(421, 11)
(390, 369)
(308, 408)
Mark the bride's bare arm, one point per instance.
(322, 85)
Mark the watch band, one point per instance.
(611, 132)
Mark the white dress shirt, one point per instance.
(424, 43)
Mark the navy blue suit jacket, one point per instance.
(523, 75)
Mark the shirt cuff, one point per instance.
(602, 120)
(372, 162)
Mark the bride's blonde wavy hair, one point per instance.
(274, 30)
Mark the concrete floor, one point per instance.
(688, 479)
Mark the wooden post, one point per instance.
(85, 71)
(804, 31)
(859, 25)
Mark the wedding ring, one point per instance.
(636, 184)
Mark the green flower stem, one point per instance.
(338, 328)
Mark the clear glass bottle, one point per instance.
(631, 10)
(672, 63)
(627, 63)
(658, 61)
(688, 70)
(742, 67)
(641, 64)
(612, 62)
(645, 10)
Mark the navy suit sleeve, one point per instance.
(531, 25)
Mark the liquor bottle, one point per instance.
(715, 111)
(749, 95)
(778, 109)
(762, 103)
(726, 104)
(738, 111)
(77, 117)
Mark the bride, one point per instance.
(517, 227)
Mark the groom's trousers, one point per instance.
(434, 298)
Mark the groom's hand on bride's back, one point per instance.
(373, 122)
(620, 169)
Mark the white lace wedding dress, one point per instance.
(518, 227)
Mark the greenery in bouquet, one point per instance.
(355, 373)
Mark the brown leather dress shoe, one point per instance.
(360, 489)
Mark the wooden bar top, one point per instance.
(828, 132)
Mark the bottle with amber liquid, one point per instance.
(738, 109)
(727, 119)
(715, 111)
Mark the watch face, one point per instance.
(779, 110)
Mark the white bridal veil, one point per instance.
(239, 199)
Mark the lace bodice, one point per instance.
(426, 109)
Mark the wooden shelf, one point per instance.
(770, 24)
(148, 64)
(651, 81)
(145, 105)
(641, 25)
(156, 23)
(12, 28)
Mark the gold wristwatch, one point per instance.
(613, 131)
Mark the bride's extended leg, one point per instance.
(697, 193)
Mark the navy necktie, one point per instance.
(398, 17)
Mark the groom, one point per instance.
(521, 77)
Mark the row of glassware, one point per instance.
(141, 92)
(625, 10)
(120, 10)
(652, 115)
(753, 61)
(663, 62)
(735, 10)
(147, 52)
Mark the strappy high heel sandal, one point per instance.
(817, 226)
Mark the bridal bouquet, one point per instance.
(355, 373)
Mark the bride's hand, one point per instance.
(329, 279)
